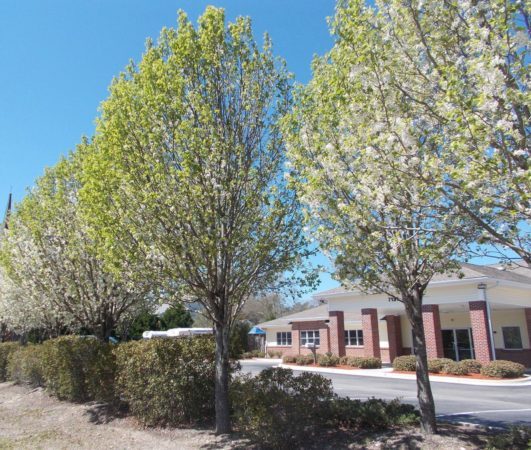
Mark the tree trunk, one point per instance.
(222, 379)
(428, 423)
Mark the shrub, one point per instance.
(6, 348)
(328, 360)
(454, 368)
(25, 366)
(366, 362)
(343, 360)
(405, 363)
(78, 369)
(274, 354)
(168, 381)
(374, 414)
(238, 339)
(304, 360)
(279, 410)
(502, 369)
(471, 365)
(247, 355)
(436, 365)
(289, 359)
(516, 437)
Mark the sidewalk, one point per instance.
(388, 373)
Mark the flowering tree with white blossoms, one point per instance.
(362, 153)
(188, 173)
(55, 275)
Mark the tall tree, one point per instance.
(188, 172)
(355, 144)
(48, 254)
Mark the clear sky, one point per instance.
(58, 58)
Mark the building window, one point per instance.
(512, 337)
(354, 337)
(310, 337)
(284, 338)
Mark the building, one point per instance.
(485, 315)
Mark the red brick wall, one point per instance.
(394, 334)
(337, 332)
(324, 336)
(432, 331)
(480, 330)
(371, 335)
(354, 351)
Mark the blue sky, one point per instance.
(59, 57)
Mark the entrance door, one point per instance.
(458, 344)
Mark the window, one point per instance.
(310, 337)
(284, 338)
(512, 337)
(353, 337)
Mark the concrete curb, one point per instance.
(388, 373)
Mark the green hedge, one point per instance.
(437, 365)
(25, 365)
(304, 360)
(6, 348)
(471, 365)
(327, 360)
(364, 362)
(78, 368)
(407, 363)
(503, 369)
(167, 381)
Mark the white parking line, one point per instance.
(484, 412)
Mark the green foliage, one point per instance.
(143, 322)
(327, 360)
(373, 414)
(471, 365)
(407, 363)
(289, 359)
(503, 369)
(454, 368)
(176, 316)
(279, 410)
(274, 353)
(364, 362)
(304, 360)
(238, 340)
(436, 365)
(78, 369)
(518, 437)
(167, 381)
(25, 365)
(6, 348)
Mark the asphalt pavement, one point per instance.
(498, 406)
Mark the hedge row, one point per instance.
(330, 360)
(495, 369)
(171, 382)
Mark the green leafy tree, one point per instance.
(356, 146)
(176, 316)
(187, 173)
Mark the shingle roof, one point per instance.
(318, 312)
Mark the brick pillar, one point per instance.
(295, 342)
(528, 320)
(371, 335)
(432, 331)
(394, 334)
(337, 332)
(480, 330)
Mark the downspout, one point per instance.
(482, 291)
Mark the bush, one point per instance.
(328, 360)
(405, 363)
(304, 360)
(373, 414)
(503, 369)
(168, 381)
(471, 365)
(279, 410)
(364, 362)
(454, 368)
(436, 365)
(78, 368)
(238, 339)
(274, 354)
(25, 366)
(343, 360)
(516, 437)
(6, 348)
(289, 359)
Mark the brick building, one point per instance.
(485, 315)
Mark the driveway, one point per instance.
(486, 405)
